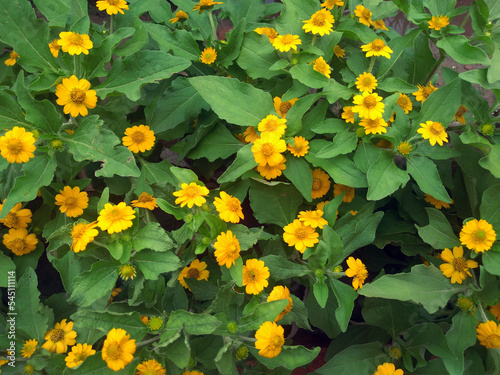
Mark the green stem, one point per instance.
(436, 66)
(314, 39)
(111, 24)
(74, 66)
(214, 29)
(146, 342)
(465, 20)
(482, 313)
(372, 62)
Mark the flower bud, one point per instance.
(487, 129)
(318, 272)
(155, 323)
(57, 144)
(232, 327)
(241, 353)
(188, 218)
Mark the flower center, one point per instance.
(435, 129)
(366, 13)
(270, 126)
(253, 275)
(287, 39)
(11, 220)
(232, 250)
(367, 81)
(114, 351)
(319, 20)
(267, 149)
(192, 192)
(233, 205)
(459, 264)
(278, 342)
(426, 91)
(301, 233)
(138, 137)
(370, 102)
(316, 184)
(479, 235)
(77, 96)
(208, 55)
(193, 273)
(56, 335)
(145, 198)
(113, 2)
(71, 202)
(378, 45)
(493, 341)
(14, 146)
(78, 232)
(80, 357)
(76, 39)
(18, 244)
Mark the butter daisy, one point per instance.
(78, 354)
(75, 95)
(364, 15)
(112, 6)
(270, 338)
(191, 195)
(423, 92)
(282, 107)
(404, 148)
(434, 132)
(368, 105)
(377, 48)
(118, 349)
(300, 147)
(127, 271)
(438, 22)
(321, 23)
(379, 25)
(54, 48)
(145, 200)
(208, 55)
(150, 367)
(17, 217)
(82, 234)
(180, 16)
(388, 369)
(195, 270)
(376, 126)
(139, 138)
(313, 218)
(13, 56)
(72, 201)
(338, 51)
(229, 208)
(268, 149)
(60, 337)
(281, 292)
(348, 114)
(75, 43)
(255, 275)
(329, 4)
(272, 124)
(284, 43)
(478, 235)
(321, 183)
(358, 271)
(227, 249)
(405, 103)
(322, 67)
(366, 82)
(270, 172)
(300, 235)
(250, 134)
(459, 114)
(29, 348)
(339, 189)
(267, 31)
(456, 267)
(17, 145)
(205, 5)
(115, 218)
(488, 334)
(436, 202)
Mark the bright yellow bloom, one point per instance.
(405, 103)
(459, 115)
(357, 270)
(478, 235)
(321, 183)
(300, 146)
(145, 319)
(376, 126)
(313, 218)
(250, 134)
(423, 92)
(281, 107)
(300, 235)
(118, 350)
(379, 24)
(54, 48)
(150, 367)
(75, 95)
(281, 292)
(456, 267)
(127, 271)
(271, 172)
(377, 48)
(320, 23)
(434, 132)
(368, 105)
(338, 51)
(488, 334)
(180, 16)
(208, 55)
(229, 208)
(205, 5)
(436, 202)
(339, 189)
(270, 338)
(268, 148)
(60, 337)
(272, 124)
(322, 67)
(29, 348)
(82, 234)
(17, 145)
(112, 6)
(364, 15)
(72, 201)
(139, 138)
(115, 218)
(286, 42)
(255, 275)
(16, 218)
(329, 4)
(195, 270)
(13, 56)
(267, 31)
(366, 82)
(388, 369)
(75, 43)
(495, 310)
(438, 22)
(78, 354)
(348, 114)
(192, 373)
(227, 249)
(191, 195)
(145, 200)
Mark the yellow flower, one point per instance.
(118, 350)
(366, 82)
(459, 115)
(478, 235)
(190, 195)
(339, 52)
(180, 15)
(329, 4)
(368, 105)
(150, 367)
(208, 55)
(281, 292)
(192, 373)
(388, 369)
(115, 218)
(17, 145)
(364, 15)
(250, 134)
(229, 208)
(270, 338)
(195, 270)
(72, 201)
(127, 271)
(60, 337)
(348, 114)
(227, 249)
(145, 319)
(376, 126)
(300, 146)
(313, 218)
(281, 107)
(272, 124)
(255, 275)
(488, 334)
(379, 24)
(339, 189)
(75, 43)
(456, 267)
(405, 103)
(82, 234)
(145, 200)
(205, 5)
(271, 172)
(78, 354)
(300, 235)
(112, 6)
(434, 132)
(139, 138)
(286, 42)
(29, 348)
(268, 148)
(436, 202)
(438, 22)
(495, 310)
(75, 95)
(321, 183)
(267, 31)
(13, 56)
(320, 23)
(16, 218)
(322, 67)
(357, 270)
(377, 48)
(404, 148)
(54, 48)
(423, 92)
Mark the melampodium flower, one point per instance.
(379, 24)
(423, 92)
(112, 6)
(205, 5)
(75, 43)
(82, 234)
(322, 67)
(338, 51)
(268, 148)
(377, 48)
(13, 56)
(72, 201)
(281, 107)
(16, 218)
(405, 103)
(272, 124)
(436, 202)
(115, 218)
(348, 114)
(339, 189)
(75, 95)
(495, 310)
(229, 208)
(60, 337)
(270, 338)
(227, 249)
(388, 369)
(267, 31)
(321, 183)
(300, 146)
(145, 200)
(250, 134)
(118, 350)
(313, 218)
(488, 334)
(438, 22)
(180, 15)
(150, 367)
(19, 241)
(208, 55)
(54, 48)
(329, 4)
(456, 267)
(195, 270)
(320, 23)
(377, 126)
(78, 354)
(286, 42)
(270, 172)
(17, 145)
(255, 275)
(139, 138)
(300, 235)
(364, 15)
(459, 115)
(368, 105)
(29, 348)
(281, 292)
(127, 271)
(478, 235)
(434, 132)
(192, 373)
(190, 195)
(357, 270)
(366, 82)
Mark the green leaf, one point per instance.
(493, 74)
(491, 161)
(191, 323)
(243, 163)
(219, 143)
(263, 312)
(423, 284)
(343, 143)
(152, 264)
(180, 42)
(320, 291)
(298, 172)
(459, 337)
(426, 175)
(290, 357)
(280, 268)
(69, 266)
(398, 46)
(491, 261)
(55, 11)
(127, 76)
(257, 56)
(179, 352)
(6, 266)
(355, 30)
(384, 177)
(236, 271)
(152, 236)
(105, 321)
(489, 211)
(10, 112)
(345, 295)
(157, 173)
(335, 91)
(247, 237)
(393, 84)
(234, 101)
(305, 74)
(438, 233)
(479, 76)
(459, 49)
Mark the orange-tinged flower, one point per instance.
(227, 249)
(180, 16)
(423, 92)
(75, 95)
(270, 339)
(145, 200)
(321, 183)
(459, 115)
(436, 202)
(438, 22)
(363, 14)
(313, 218)
(271, 172)
(150, 367)
(281, 292)
(488, 334)
(13, 56)
(191, 195)
(348, 114)
(300, 235)
(229, 208)
(405, 103)
(339, 189)
(75, 43)
(250, 134)
(118, 350)
(72, 201)
(478, 235)
(455, 266)
(54, 48)
(322, 67)
(29, 348)
(338, 51)
(329, 4)
(379, 25)
(78, 354)
(208, 55)
(82, 234)
(374, 126)
(300, 147)
(195, 270)
(357, 270)
(255, 275)
(17, 217)
(17, 145)
(434, 132)
(282, 107)
(60, 337)
(267, 31)
(139, 138)
(388, 369)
